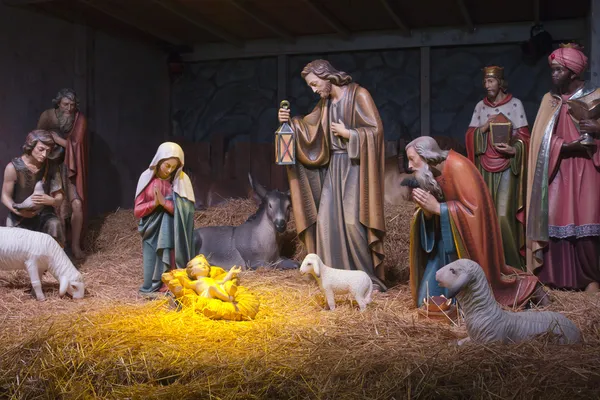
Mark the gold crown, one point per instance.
(570, 46)
(493, 71)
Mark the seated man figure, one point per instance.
(457, 219)
(20, 178)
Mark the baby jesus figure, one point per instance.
(198, 270)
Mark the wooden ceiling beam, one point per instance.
(24, 2)
(198, 22)
(256, 15)
(109, 11)
(572, 29)
(328, 17)
(466, 15)
(394, 15)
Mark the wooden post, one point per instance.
(594, 55)
(83, 80)
(80, 67)
(425, 91)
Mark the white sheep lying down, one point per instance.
(38, 252)
(338, 281)
(486, 322)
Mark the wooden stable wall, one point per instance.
(223, 173)
(123, 87)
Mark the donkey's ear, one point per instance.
(257, 187)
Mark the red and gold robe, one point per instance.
(476, 233)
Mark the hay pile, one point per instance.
(114, 344)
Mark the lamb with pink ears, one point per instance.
(338, 281)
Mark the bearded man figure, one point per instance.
(337, 183)
(502, 165)
(563, 187)
(456, 219)
(69, 130)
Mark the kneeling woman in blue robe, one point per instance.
(164, 203)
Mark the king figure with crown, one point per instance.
(502, 159)
(563, 185)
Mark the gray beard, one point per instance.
(427, 182)
(65, 121)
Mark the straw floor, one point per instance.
(114, 344)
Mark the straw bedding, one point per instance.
(114, 344)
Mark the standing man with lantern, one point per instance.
(337, 180)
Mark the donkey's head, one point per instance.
(276, 204)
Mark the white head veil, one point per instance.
(181, 182)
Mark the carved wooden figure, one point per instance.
(22, 177)
(255, 243)
(456, 218)
(497, 143)
(337, 181)
(69, 130)
(563, 185)
(164, 203)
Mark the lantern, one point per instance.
(285, 145)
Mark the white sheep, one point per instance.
(338, 281)
(38, 252)
(486, 322)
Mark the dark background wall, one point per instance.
(456, 84)
(237, 99)
(123, 83)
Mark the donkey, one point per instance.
(257, 242)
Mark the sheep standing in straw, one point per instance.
(38, 252)
(338, 281)
(486, 322)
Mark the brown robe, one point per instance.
(75, 168)
(476, 233)
(364, 154)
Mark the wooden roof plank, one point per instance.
(466, 15)
(328, 17)
(198, 22)
(24, 2)
(319, 44)
(394, 15)
(256, 15)
(128, 20)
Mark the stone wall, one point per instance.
(456, 84)
(238, 98)
(235, 99)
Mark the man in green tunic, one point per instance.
(502, 165)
